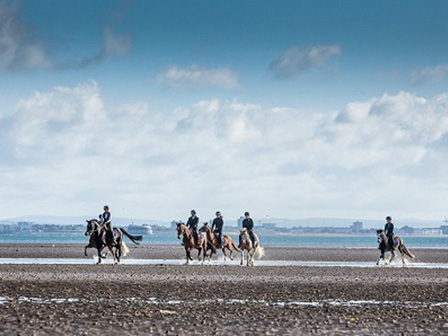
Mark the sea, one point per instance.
(170, 238)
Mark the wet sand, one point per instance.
(129, 299)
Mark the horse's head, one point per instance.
(205, 228)
(380, 235)
(92, 225)
(180, 230)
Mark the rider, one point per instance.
(217, 225)
(106, 222)
(192, 224)
(248, 224)
(389, 231)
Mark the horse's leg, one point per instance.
(204, 253)
(252, 257)
(230, 248)
(224, 252)
(99, 256)
(392, 256)
(85, 250)
(111, 249)
(199, 253)
(187, 255)
(379, 260)
(242, 257)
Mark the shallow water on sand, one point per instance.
(158, 301)
(174, 262)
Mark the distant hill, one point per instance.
(43, 219)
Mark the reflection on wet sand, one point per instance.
(177, 262)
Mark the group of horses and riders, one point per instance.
(210, 239)
(103, 236)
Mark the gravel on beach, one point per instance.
(160, 299)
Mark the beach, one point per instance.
(164, 299)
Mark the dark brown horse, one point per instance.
(385, 247)
(190, 244)
(227, 244)
(98, 239)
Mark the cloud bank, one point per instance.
(298, 60)
(66, 152)
(430, 74)
(21, 50)
(18, 48)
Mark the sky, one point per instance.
(288, 109)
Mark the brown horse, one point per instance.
(98, 240)
(227, 243)
(384, 247)
(190, 244)
(251, 249)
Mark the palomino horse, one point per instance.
(246, 245)
(227, 243)
(98, 240)
(190, 244)
(384, 247)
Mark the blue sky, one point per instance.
(265, 70)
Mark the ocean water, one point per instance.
(266, 240)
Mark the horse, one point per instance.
(190, 244)
(246, 245)
(227, 243)
(98, 240)
(384, 247)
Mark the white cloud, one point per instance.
(297, 60)
(67, 152)
(430, 74)
(196, 76)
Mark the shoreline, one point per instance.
(165, 251)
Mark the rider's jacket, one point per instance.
(218, 223)
(389, 229)
(248, 223)
(107, 216)
(192, 223)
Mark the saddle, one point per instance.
(223, 241)
(200, 238)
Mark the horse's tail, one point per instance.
(407, 252)
(259, 251)
(124, 248)
(235, 247)
(135, 239)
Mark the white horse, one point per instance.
(251, 249)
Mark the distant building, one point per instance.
(173, 225)
(444, 229)
(356, 227)
(240, 222)
(431, 231)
